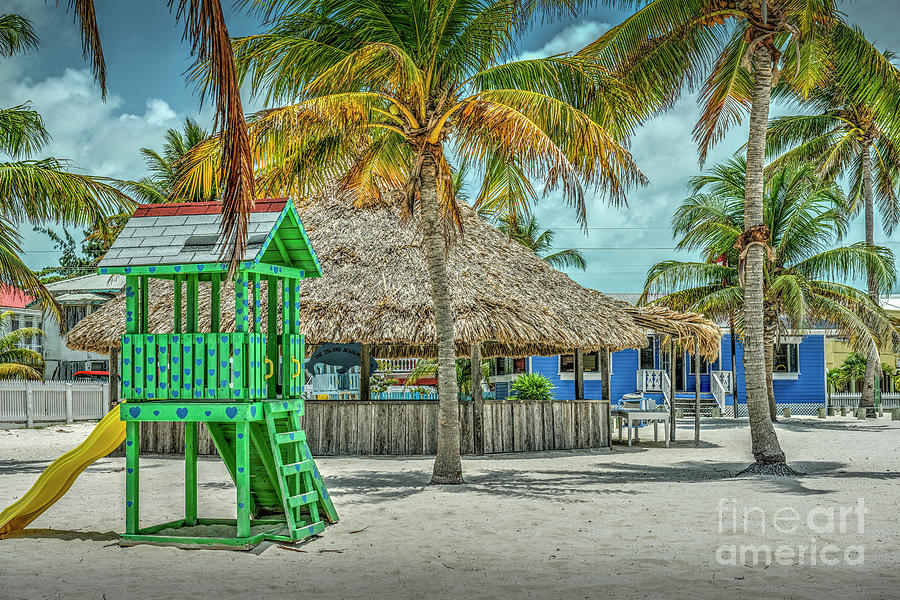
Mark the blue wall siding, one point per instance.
(624, 376)
(808, 387)
(810, 383)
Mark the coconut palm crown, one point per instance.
(804, 276)
(844, 135)
(540, 241)
(163, 165)
(381, 99)
(17, 362)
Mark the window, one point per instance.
(591, 363)
(647, 355)
(74, 314)
(508, 366)
(787, 358)
(704, 366)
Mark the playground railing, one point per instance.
(195, 366)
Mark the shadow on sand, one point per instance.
(64, 535)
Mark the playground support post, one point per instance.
(190, 473)
(132, 484)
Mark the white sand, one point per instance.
(633, 523)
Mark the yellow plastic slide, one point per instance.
(61, 474)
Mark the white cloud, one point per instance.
(99, 137)
(572, 38)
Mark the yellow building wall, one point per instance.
(837, 351)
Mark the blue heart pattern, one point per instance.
(231, 412)
(181, 412)
(134, 411)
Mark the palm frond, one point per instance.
(16, 35)
(22, 131)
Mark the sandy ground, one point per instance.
(640, 522)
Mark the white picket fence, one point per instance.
(52, 401)
(851, 399)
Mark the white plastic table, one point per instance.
(631, 415)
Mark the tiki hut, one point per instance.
(376, 291)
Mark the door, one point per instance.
(679, 373)
(664, 363)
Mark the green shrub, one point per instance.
(532, 386)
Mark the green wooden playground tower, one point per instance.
(246, 385)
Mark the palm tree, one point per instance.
(739, 49)
(539, 241)
(17, 362)
(384, 97)
(804, 215)
(159, 186)
(847, 137)
(39, 191)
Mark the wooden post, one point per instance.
(242, 477)
(734, 394)
(672, 389)
(477, 400)
(605, 390)
(29, 405)
(114, 385)
(69, 402)
(272, 334)
(190, 473)
(132, 451)
(144, 309)
(365, 394)
(178, 303)
(579, 374)
(193, 285)
(696, 392)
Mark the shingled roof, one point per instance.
(190, 233)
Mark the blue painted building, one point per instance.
(799, 377)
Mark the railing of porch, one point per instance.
(655, 380)
(720, 385)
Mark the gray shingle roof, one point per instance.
(180, 239)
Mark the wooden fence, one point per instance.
(337, 427)
(52, 401)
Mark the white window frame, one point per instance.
(570, 375)
(789, 375)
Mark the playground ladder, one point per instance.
(303, 493)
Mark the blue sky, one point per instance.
(146, 60)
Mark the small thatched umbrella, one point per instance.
(376, 290)
(696, 334)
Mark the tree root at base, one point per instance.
(446, 480)
(779, 469)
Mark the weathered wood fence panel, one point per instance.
(335, 427)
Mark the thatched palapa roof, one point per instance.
(679, 326)
(376, 290)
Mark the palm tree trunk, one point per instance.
(873, 360)
(770, 323)
(766, 450)
(447, 465)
